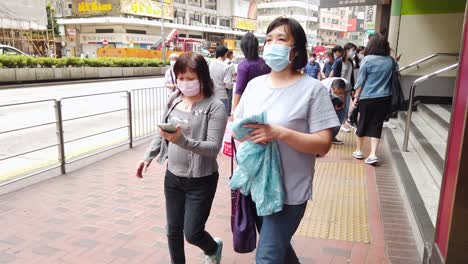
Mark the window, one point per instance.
(135, 31)
(210, 4)
(194, 18)
(104, 30)
(194, 2)
(180, 1)
(225, 22)
(9, 51)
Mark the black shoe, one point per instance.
(337, 141)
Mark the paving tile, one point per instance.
(52, 235)
(123, 236)
(123, 222)
(12, 240)
(332, 251)
(88, 229)
(124, 252)
(7, 258)
(86, 243)
(45, 250)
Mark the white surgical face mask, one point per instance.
(360, 56)
(276, 56)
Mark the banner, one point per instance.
(347, 3)
(149, 8)
(244, 23)
(352, 25)
(23, 14)
(127, 38)
(245, 8)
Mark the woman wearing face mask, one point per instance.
(192, 171)
(300, 118)
(169, 77)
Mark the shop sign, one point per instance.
(119, 38)
(93, 7)
(352, 24)
(149, 8)
(347, 3)
(244, 23)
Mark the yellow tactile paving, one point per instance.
(345, 150)
(339, 208)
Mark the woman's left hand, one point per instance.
(171, 137)
(263, 133)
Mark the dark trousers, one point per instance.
(188, 205)
(274, 245)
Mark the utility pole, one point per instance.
(162, 32)
(52, 14)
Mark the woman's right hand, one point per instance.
(142, 167)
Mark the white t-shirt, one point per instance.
(304, 106)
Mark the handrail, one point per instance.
(411, 99)
(416, 63)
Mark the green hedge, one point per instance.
(9, 61)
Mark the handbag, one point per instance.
(398, 98)
(243, 225)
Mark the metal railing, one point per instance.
(416, 63)
(143, 107)
(411, 99)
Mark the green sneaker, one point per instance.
(216, 259)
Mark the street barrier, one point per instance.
(143, 109)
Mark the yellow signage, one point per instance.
(244, 23)
(86, 7)
(150, 8)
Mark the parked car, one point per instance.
(9, 50)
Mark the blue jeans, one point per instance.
(274, 245)
(227, 105)
(341, 117)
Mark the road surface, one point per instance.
(146, 111)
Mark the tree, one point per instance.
(52, 20)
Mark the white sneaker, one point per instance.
(216, 258)
(358, 154)
(372, 160)
(345, 129)
(389, 125)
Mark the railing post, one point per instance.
(60, 140)
(408, 118)
(130, 120)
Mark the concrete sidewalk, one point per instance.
(104, 214)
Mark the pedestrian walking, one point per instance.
(300, 117)
(221, 77)
(337, 66)
(327, 65)
(190, 142)
(253, 66)
(373, 95)
(169, 77)
(312, 68)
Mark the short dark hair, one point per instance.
(195, 62)
(339, 84)
(329, 53)
(249, 46)
(300, 40)
(221, 50)
(377, 45)
(313, 55)
(337, 48)
(229, 53)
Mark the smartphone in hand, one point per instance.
(167, 127)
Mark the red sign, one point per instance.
(105, 42)
(352, 25)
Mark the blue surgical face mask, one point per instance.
(276, 56)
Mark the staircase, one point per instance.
(427, 147)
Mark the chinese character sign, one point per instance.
(150, 8)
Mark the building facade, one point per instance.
(91, 24)
(306, 12)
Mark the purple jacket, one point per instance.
(247, 70)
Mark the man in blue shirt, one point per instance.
(312, 68)
(338, 64)
(327, 66)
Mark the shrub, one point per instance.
(20, 61)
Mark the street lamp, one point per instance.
(163, 51)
